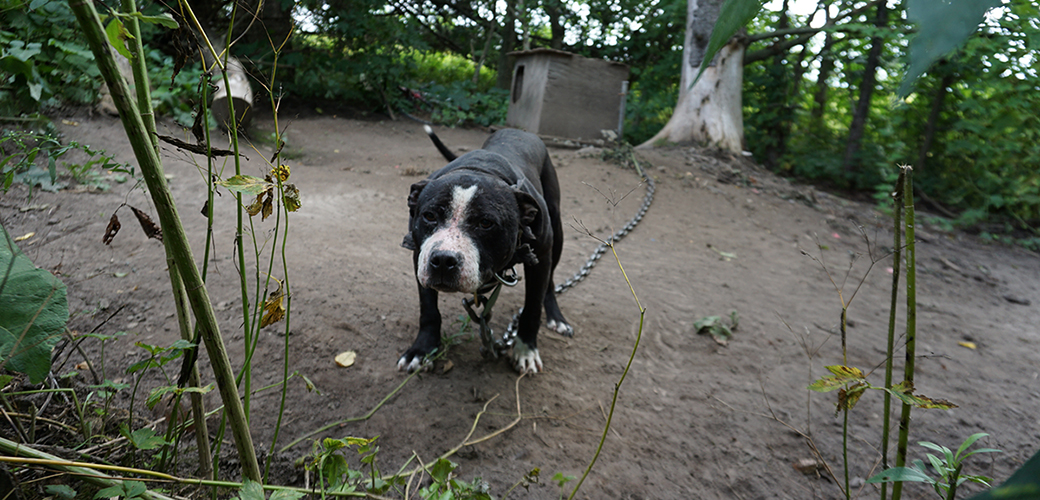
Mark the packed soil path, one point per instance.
(693, 419)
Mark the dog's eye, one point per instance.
(429, 216)
(486, 223)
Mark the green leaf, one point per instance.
(251, 490)
(733, 15)
(146, 439)
(901, 474)
(441, 469)
(246, 184)
(33, 312)
(943, 25)
(286, 495)
(1022, 485)
(970, 441)
(61, 491)
(117, 36)
(165, 19)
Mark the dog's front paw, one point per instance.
(560, 327)
(413, 360)
(526, 359)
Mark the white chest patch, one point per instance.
(451, 237)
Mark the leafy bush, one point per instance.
(44, 62)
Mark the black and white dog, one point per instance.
(480, 215)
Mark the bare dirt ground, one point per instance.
(694, 419)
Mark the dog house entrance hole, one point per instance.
(518, 82)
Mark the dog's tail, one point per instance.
(440, 145)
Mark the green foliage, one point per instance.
(1024, 484)
(126, 490)
(26, 147)
(174, 95)
(448, 487)
(33, 312)
(44, 62)
(460, 103)
(948, 468)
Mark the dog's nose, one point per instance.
(444, 261)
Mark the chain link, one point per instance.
(509, 336)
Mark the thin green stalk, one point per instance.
(151, 169)
(911, 321)
(897, 253)
(617, 386)
(845, 410)
(144, 103)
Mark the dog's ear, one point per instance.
(413, 203)
(530, 215)
(413, 196)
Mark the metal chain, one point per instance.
(509, 336)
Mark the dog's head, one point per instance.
(464, 228)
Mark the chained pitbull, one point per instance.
(478, 217)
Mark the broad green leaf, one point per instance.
(165, 19)
(733, 15)
(246, 184)
(33, 312)
(901, 474)
(117, 36)
(146, 439)
(440, 470)
(61, 491)
(251, 490)
(943, 25)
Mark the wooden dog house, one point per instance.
(561, 94)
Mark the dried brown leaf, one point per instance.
(151, 229)
(111, 230)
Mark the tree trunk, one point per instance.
(826, 68)
(552, 9)
(710, 112)
(505, 62)
(933, 119)
(866, 93)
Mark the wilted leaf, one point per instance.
(281, 172)
(268, 207)
(199, 149)
(905, 392)
(151, 229)
(713, 325)
(254, 207)
(848, 397)
(842, 375)
(111, 230)
(246, 184)
(291, 197)
(274, 310)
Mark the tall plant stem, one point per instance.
(624, 374)
(897, 253)
(911, 321)
(180, 295)
(151, 169)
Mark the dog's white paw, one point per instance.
(417, 363)
(560, 327)
(525, 359)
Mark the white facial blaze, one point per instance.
(451, 237)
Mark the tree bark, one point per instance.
(710, 112)
(933, 120)
(505, 62)
(866, 93)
